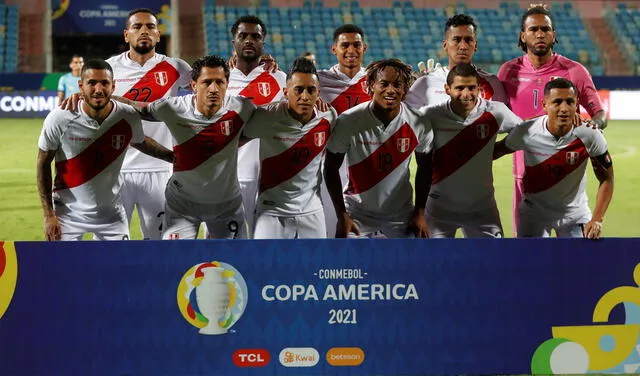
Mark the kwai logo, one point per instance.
(299, 357)
(212, 296)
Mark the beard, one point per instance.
(143, 49)
(541, 51)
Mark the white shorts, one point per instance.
(536, 226)
(310, 226)
(249, 192)
(75, 226)
(371, 227)
(224, 220)
(146, 191)
(483, 224)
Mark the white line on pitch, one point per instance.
(629, 151)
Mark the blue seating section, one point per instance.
(9, 17)
(625, 23)
(402, 31)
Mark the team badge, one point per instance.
(363, 83)
(264, 89)
(482, 131)
(551, 78)
(403, 144)
(319, 138)
(226, 127)
(572, 157)
(117, 141)
(161, 78)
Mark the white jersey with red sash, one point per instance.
(261, 87)
(555, 168)
(159, 77)
(342, 92)
(462, 178)
(88, 159)
(206, 149)
(429, 89)
(290, 158)
(378, 159)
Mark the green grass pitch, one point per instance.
(21, 214)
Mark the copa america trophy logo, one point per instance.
(212, 296)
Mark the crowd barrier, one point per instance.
(333, 307)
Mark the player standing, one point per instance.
(143, 75)
(460, 43)
(465, 127)
(89, 149)
(377, 138)
(524, 79)
(68, 83)
(293, 136)
(250, 79)
(555, 157)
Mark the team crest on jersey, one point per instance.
(572, 157)
(551, 78)
(319, 138)
(264, 89)
(117, 141)
(161, 78)
(482, 131)
(363, 83)
(226, 127)
(403, 144)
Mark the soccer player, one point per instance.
(252, 80)
(343, 86)
(143, 75)
(460, 43)
(377, 138)
(555, 156)
(461, 193)
(524, 79)
(293, 136)
(89, 149)
(68, 83)
(207, 126)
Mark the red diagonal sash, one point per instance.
(464, 146)
(94, 158)
(208, 142)
(282, 167)
(383, 161)
(154, 84)
(551, 171)
(262, 89)
(352, 96)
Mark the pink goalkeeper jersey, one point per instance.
(261, 87)
(342, 92)
(524, 84)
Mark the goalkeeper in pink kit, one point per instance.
(524, 79)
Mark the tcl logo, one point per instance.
(251, 357)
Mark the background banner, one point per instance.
(320, 307)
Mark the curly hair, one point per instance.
(404, 70)
(535, 9)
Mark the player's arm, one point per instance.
(332, 163)
(501, 149)
(598, 120)
(141, 107)
(52, 229)
(60, 96)
(152, 148)
(603, 169)
(422, 184)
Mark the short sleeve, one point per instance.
(516, 138)
(136, 127)
(499, 94)
(184, 69)
(51, 133)
(597, 144)
(340, 139)
(61, 83)
(425, 134)
(257, 123)
(157, 108)
(417, 95)
(506, 118)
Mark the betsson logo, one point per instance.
(251, 357)
(299, 357)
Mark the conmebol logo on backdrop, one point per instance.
(212, 296)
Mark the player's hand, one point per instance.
(418, 225)
(322, 106)
(233, 60)
(345, 226)
(70, 103)
(52, 228)
(270, 63)
(592, 229)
